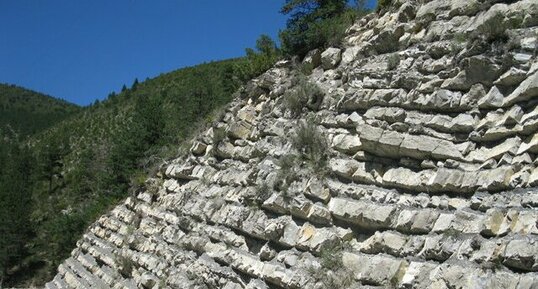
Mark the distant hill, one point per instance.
(27, 112)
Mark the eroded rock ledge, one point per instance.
(429, 115)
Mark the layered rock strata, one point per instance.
(405, 159)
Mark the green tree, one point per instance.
(50, 158)
(314, 24)
(135, 84)
(266, 45)
(304, 11)
(131, 143)
(148, 117)
(259, 59)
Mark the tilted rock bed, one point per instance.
(429, 115)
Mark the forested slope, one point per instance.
(26, 112)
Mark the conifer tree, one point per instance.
(135, 85)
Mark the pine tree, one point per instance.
(135, 85)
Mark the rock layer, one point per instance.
(429, 116)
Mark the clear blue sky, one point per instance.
(82, 50)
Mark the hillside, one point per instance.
(406, 158)
(84, 165)
(27, 112)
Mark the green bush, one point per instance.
(294, 102)
(125, 265)
(304, 94)
(331, 258)
(263, 192)
(138, 179)
(393, 61)
(332, 274)
(460, 37)
(286, 173)
(258, 60)
(312, 145)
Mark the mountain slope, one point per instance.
(28, 112)
(404, 160)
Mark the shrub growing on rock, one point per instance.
(332, 274)
(312, 146)
(393, 61)
(287, 173)
(304, 94)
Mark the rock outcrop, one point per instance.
(406, 159)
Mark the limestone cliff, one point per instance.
(404, 159)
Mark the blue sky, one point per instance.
(82, 50)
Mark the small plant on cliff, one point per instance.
(393, 61)
(332, 274)
(258, 195)
(263, 192)
(303, 94)
(286, 174)
(125, 265)
(460, 37)
(129, 230)
(312, 146)
(331, 257)
(294, 102)
(138, 179)
(306, 68)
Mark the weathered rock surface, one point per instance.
(422, 172)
